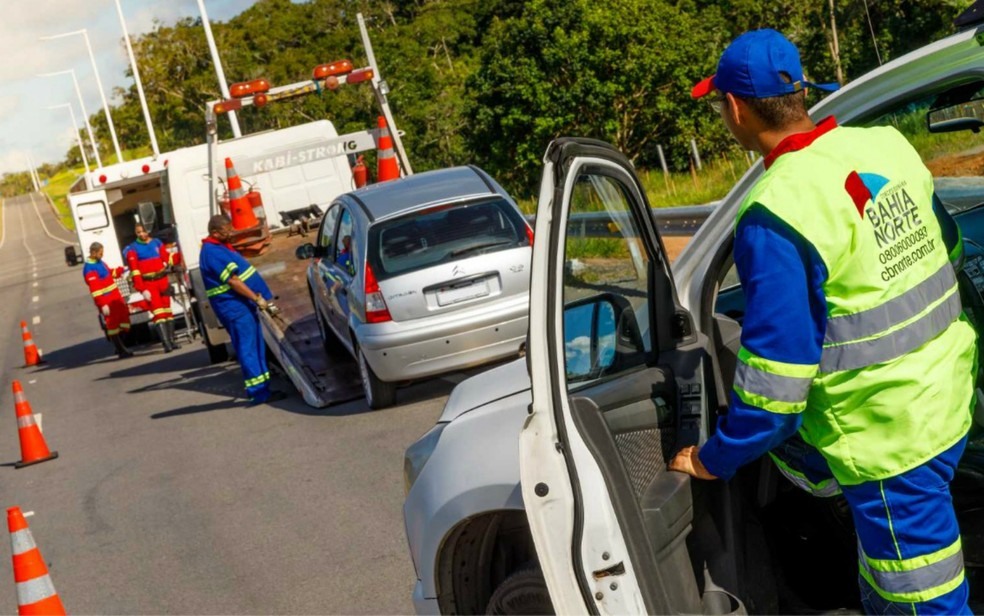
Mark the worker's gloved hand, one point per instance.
(117, 272)
(146, 295)
(262, 304)
(272, 309)
(105, 310)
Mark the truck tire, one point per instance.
(379, 394)
(217, 353)
(523, 592)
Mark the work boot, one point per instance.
(162, 334)
(170, 334)
(121, 351)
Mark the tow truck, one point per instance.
(297, 171)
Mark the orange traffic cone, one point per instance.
(31, 355)
(33, 447)
(239, 205)
(36, 593)
(386, 165)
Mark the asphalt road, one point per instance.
(169, 495)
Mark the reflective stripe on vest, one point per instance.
(249, 272)
(104, 290)
(224, 276)
(863, 353)
(775, 386)
(917, 579)
(219, 290)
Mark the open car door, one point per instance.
(616, 369)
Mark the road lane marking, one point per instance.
(36, 320)
(32, 382)
(36, 298)
(44, 226)
(34, 284)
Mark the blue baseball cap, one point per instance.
(759, 64)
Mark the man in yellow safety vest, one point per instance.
(856, 367)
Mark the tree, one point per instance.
(619, 71)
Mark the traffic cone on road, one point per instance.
(240, 208)
(33, 448)
(31, 355)
(386, 165)
(36, 593)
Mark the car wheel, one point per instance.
(328, 339)
(379, 394)
(523, 592)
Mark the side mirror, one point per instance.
(305, 251)
(147, 214)
(600, 332)
(968, 115)
(589, 339)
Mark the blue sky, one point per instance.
(26, 126)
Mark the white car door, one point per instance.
(617, 374)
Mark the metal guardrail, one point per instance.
(682, 220)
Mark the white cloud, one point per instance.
(25, 124)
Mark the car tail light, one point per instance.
(376, 310)
(529, 234)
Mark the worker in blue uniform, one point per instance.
(856, 368)
(237, 292)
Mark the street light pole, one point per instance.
(85, 114)
(34, 170)
(136, 77)
(78, 140)
(102, 94)
(223, 87)
(30, 171)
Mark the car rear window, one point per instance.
(444, 234)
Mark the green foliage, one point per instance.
(491, 82)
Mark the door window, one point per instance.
(954, 158)
(327, 231)
(344, 243)
(92, 216)
(606, 273)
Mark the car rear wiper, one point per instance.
(461, 251)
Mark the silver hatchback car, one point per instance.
(421, 276)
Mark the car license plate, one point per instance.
(453, 295)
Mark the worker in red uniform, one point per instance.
(148, 260)
(109, 301)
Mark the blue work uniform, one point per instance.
(238, 314)
(901, 520)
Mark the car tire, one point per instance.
(379, 394)
(328, 339)
(523, 592)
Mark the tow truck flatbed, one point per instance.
(321, 377)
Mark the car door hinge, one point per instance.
(616, 569)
